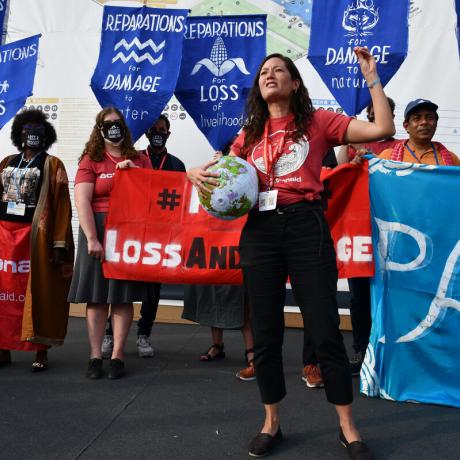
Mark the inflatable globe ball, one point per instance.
(237, 191)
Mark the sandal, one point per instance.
(39, 366)
(41, 361)
(207, 356)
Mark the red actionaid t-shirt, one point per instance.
(297, 171)
(100, 173)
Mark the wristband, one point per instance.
(373, 83)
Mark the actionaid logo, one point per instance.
(13, 266)
(106, 175)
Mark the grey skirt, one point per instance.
(88, 282)
(214, 306)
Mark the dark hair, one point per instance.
(32, 116)
(166, 120)
(161, 117)
(257, 108)
(95, 146)
(391, 102)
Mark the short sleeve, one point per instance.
(237, 146)
(333, 125)
(85, 172)
(145, 161)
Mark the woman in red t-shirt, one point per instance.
(286, 140)
(109, 147)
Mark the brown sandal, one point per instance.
(207, 356)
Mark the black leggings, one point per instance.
(294, 241)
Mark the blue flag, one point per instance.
(220, 58)
(139, 61)
(340, 25)
(414, 351)
(18, 61)
(3, 8)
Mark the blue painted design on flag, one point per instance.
(220, 58)
(414, 350)
(139, 61)
(340, 25)
(18, 61)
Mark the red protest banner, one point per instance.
(14, 275)
(157, 231)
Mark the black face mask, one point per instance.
(157, 139)
(33, 138)
(113, 131)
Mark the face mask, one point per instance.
(113, 132)
(33, 137)
(157, 139)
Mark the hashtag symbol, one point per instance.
(169, 199)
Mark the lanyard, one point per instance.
(162, 162)
(271, 158)
(415, 156)
(23, 172)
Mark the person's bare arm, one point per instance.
(83, 197)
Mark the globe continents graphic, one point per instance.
(237, 191)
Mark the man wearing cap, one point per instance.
(420, 122)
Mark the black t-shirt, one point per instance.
(165, 161)
(21, 182)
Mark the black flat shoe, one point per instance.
(116, 369)
(264, 443)
(94, 371)
(357, 450)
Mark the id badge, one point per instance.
(267, 200)
(16, 209)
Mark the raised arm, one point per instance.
(383, 127)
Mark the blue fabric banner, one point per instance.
(18, 61)
(414, 352)
(3, 9)
(340, 25)
(220, 58)
(139, 61)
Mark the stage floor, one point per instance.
(174, 407)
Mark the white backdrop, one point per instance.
(70, 44)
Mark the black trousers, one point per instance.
(360, 312)
(148, 314)
(294, 241)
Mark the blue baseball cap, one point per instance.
(414, 105)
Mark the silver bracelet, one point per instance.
(373, 83)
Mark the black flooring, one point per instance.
(174, 407)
